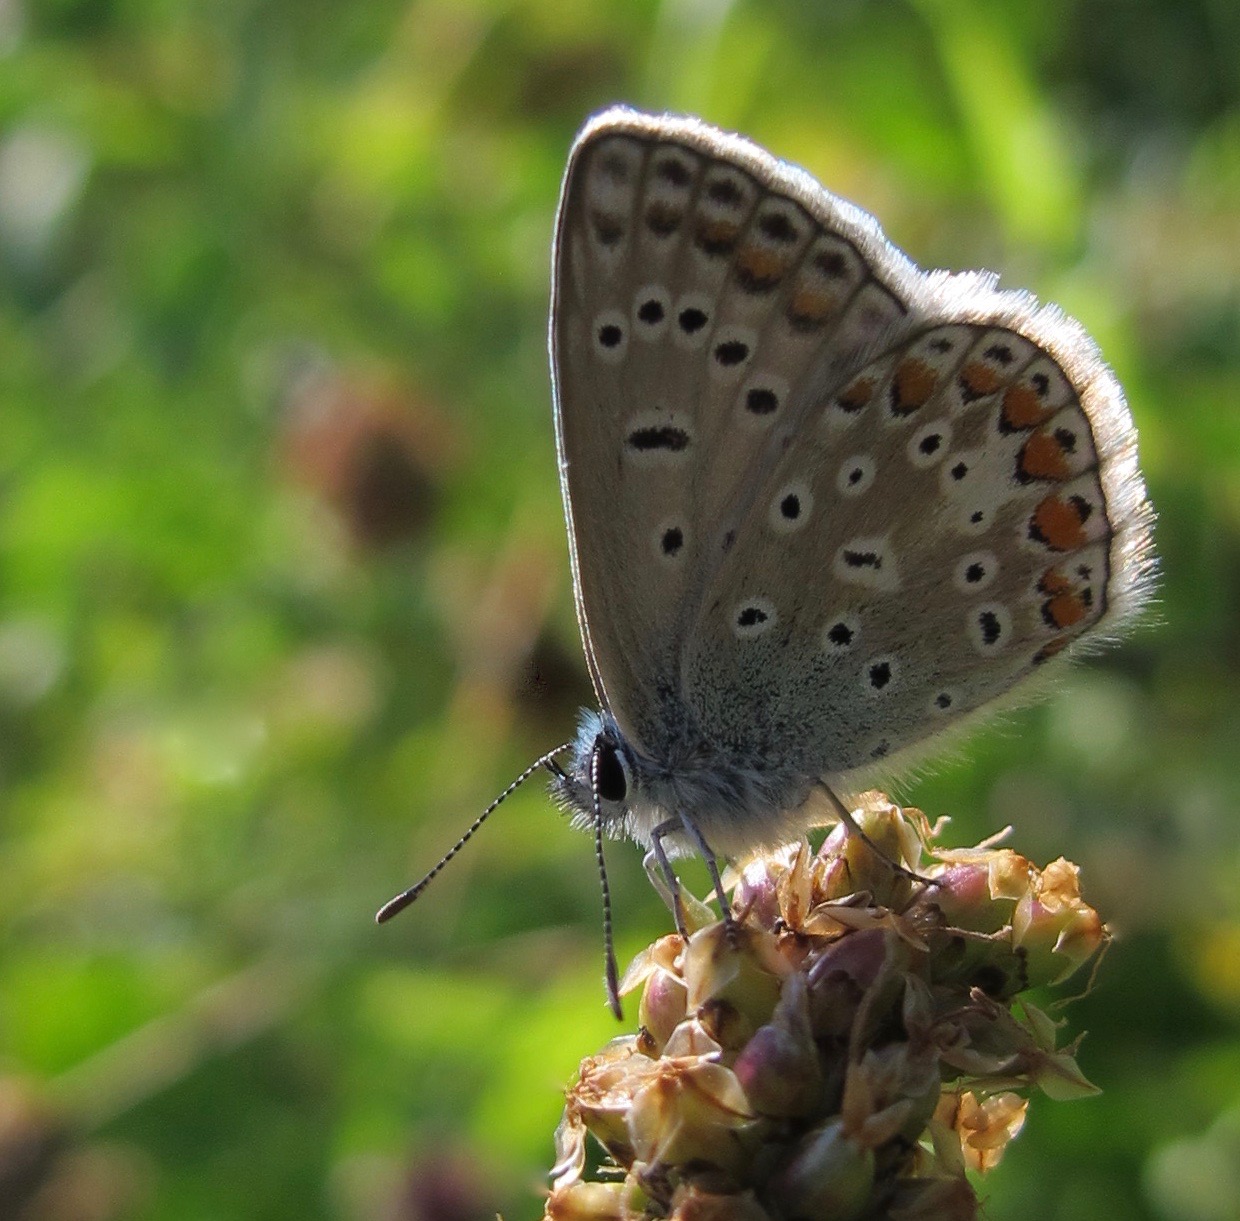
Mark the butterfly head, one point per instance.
(598, 784)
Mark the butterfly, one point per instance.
(824, 508)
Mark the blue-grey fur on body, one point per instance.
(733, 805)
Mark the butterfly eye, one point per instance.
(611, 774)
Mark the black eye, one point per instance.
(613, 785)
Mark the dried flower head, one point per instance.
(848, 1051)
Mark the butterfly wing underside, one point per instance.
(776, 436)
(690, 300)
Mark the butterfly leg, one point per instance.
(708, 855)
(666, 882)
(663, 878)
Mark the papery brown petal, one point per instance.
(984, 1126)
(661, 955)
(690, 1113)
(570, 1149)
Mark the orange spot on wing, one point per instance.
(809, 309)
(912, 386)
(1068, 602)
(716, 236)
(760, 268)
(978, 380)
(1053, 581)
(1023, 407)
(1043, 457)
(1064, 610)
(857, 395)
(1059, 523)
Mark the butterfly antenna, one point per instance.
(405, 898)
(609, 949)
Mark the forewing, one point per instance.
(704, 294)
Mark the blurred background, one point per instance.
(284, 598)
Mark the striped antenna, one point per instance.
(609, 949)
(406, 897)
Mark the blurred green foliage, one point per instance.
(284, 599)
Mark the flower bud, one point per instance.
(732, 980)
(829, 1175)
(860, 966)
(892, 1092)
(757, 893)
(978, 891)
(778, 1068)
(662, 1006)
(894, 838)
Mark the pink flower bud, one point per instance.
(662, 1006)
(779, 1068)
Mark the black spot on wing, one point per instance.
(663, 437)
